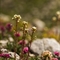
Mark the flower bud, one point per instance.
(25, 23)
(8, 26)
(21, 42)
(57, 53)
(58, 13)
(25, 50)
(17, 34)
(34, 29)
(2, 28)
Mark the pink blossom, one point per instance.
(2, 28)
(21, 42)
(17, 34)
(6, 55)
(54, 59)
(57, 53)
(25, 49)
(8, 26)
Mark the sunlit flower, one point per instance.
(16, 17)
(25, 23)
(47, 53)
(34, 29)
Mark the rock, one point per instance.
(4, 50)
(12, 55)
(56, 30)
(3, 43)
(37, 46)
(40, 45)
(4, 18)
(11, 39)
(39, 24)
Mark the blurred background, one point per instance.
(39, 13)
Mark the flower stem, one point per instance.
(15, 42)
(24, 34)
(30, 44)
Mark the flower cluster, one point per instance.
(48, 55)
(5, 55)
(21, 43)
(16, 17)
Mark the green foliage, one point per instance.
(21, 6)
